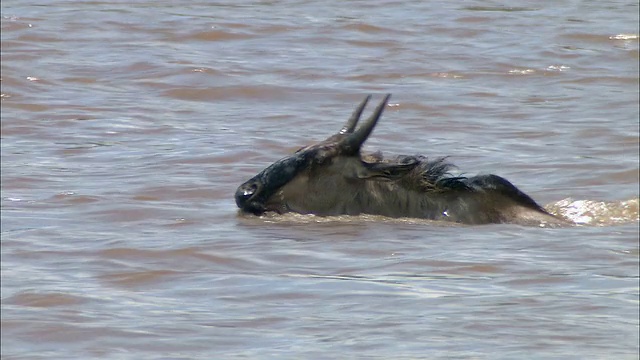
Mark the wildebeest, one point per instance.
(332, 177)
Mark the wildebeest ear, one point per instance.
(385, 171)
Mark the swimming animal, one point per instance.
(333, 177)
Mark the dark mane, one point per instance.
(436, 176)
(429, 175)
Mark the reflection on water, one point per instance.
(126, 129)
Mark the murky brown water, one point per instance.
(126, 129)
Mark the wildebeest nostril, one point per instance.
(249, 191)
(244, 193)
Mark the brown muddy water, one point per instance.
(126, 128)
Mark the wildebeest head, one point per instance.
(320, 172)
(332, 177)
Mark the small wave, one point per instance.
(296, 218)
(599, 213)
(581, 212)
(624, 37)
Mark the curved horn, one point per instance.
(353, 120)
(354, 141)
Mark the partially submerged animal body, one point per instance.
(333, 178)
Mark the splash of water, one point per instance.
(599, 213)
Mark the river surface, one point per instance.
(127, 126)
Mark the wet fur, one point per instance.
(427, 191)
